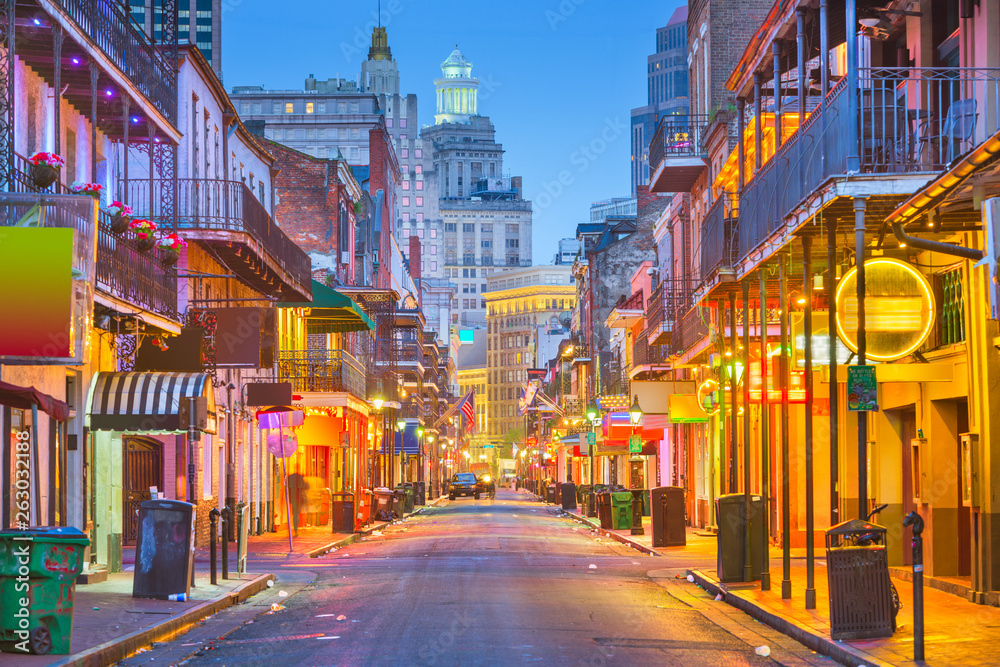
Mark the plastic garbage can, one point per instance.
(342, 505)
(568, 496)
(621, 510)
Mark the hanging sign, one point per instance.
(862, 389)
(635, 444)
(899, 309)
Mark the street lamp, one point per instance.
(401, 424)
(635, 416)
(593, 416)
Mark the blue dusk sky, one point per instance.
(558, 78)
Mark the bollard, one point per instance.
(916, 521)
(213, 518)
(637, 512)
(226, 521)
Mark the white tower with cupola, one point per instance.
(457, 90)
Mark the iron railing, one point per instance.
(123, 272)
(322, 371)
(677, 136)
(644, 354)
(217, 205)
(692, 327)
(666, 304)
(411, 352)
(718, 241)
(108, 25)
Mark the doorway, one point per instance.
(907, 433)
(142, 468)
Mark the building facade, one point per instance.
(667, 90)
(199, 22)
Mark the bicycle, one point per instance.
(875, 539)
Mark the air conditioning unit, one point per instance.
(345, 257)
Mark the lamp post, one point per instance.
(635, 416)
(592, 418)
(377, 403)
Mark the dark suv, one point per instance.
(463, 484)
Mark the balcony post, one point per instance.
(758, 79)
(57, 44)
(800, 41)
(860, 205)
(748, 544)
(831, 278)
(734, 423)
(94, 74)
(741, 125)
(765, 443)
(850, 30)
(723, 430)
(786, 556)
(807, 357)
(776, 56)
(824, 49)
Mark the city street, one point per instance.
(484, 582)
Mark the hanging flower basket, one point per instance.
(121, 216)
(143, 230)
(45, 169)
(92, 189)
(170, 247)
(145, 242)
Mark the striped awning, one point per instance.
(146, 402)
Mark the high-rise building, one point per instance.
(528, 313)
(667, 91)
(199, 22)
(568, 251)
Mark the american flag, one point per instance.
(468, 408)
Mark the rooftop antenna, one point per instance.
(380, 13)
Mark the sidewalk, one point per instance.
(956, 631)
(109, 624)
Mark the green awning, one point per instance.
(332, 312)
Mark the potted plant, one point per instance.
(45, 169)
(92, 189)
(120, 214)
(171, 245)
(143, 230)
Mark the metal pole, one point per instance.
(741, 126)
(758, 80)
(824, 49)
(284, 470)
(859, 241)
(213, 517)
(786, 557)
(227, 520)
(776, 55)
(917, 522)
(733, 424)
(747, 541)
(850, 32)
(831, 280)
(807, 331)
(765, 443)
(723, 455)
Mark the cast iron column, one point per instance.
(859, 241)
(747, 542)
(786, 557)
(831, 281)
(765, 443)
(733, 423)
(807, 355)
(776, 55)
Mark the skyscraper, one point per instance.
(199, 22)
(667, 91)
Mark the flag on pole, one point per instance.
(468, 408)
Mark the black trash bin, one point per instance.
(604, 509)
(164, 550)
(730, 513)
(858, 577)
(568, 496)
(550, 494)
(383, 505)
(420, 493)
(582, 491)
(342, 512)
(667, 514)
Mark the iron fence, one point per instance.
(692, 327)
(718, 240)
(322, 371)
(677, 137)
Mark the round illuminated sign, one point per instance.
(706, 396)
(899, 309)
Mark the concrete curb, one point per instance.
(613, 535)
(316, 553)
(118, 649)
(842, 653)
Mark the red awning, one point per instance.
(23, 398)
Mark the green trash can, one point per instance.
(407, 506)
(621, 510)
(51, 562)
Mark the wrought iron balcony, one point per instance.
(692, 328)
(677, 155)
(646, 354)
(666, 304)
(226, 214)
(108, 25)
(718, 246)
(322, 371)
(124, 273)
(909, 120)
(411, 353)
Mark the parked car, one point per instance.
(463, 484)
(485, 484)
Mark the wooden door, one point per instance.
(142, 468)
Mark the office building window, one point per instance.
(406, 185)
(434, 232)
(388, 122)
(405, 201)
(468, 227)
(309, 107)
(418, 152)
(354, 107)
(420, 201)
(434, 266)
(355, 133)
(420, 233)
(402, 122)
(420, 218)
(405, 153)
(321, 107)
(420, 185)
(289, 107)
(434, 250)
(406, 217)
(419, 168)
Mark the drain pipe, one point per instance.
(935, 246)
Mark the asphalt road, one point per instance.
(504, 582)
